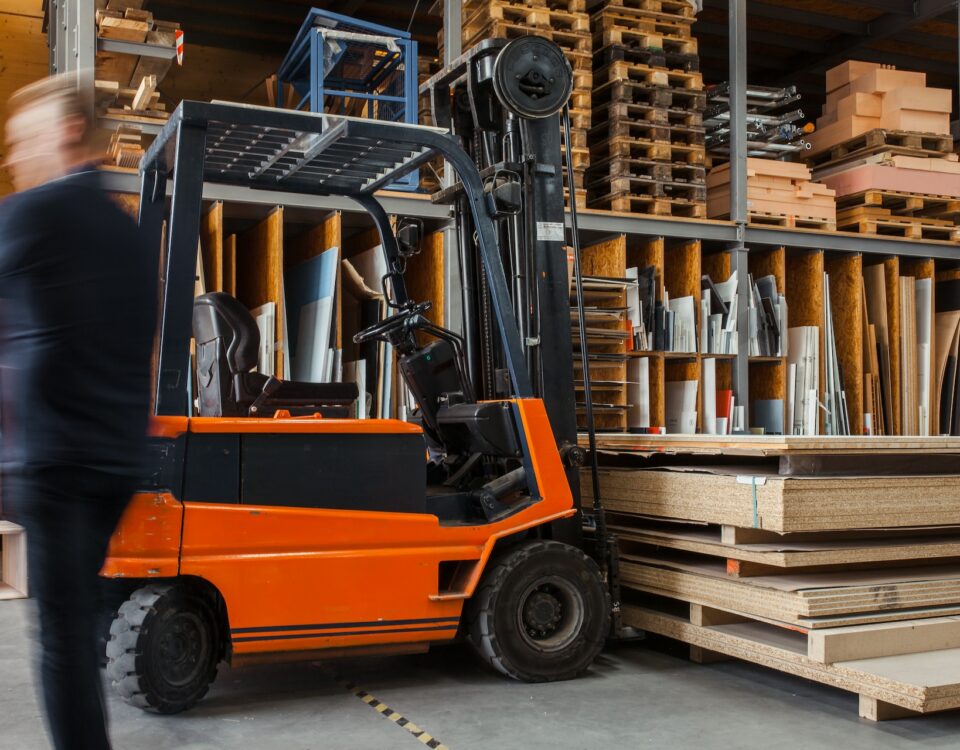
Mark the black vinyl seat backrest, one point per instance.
(228, 348)
(217, 315)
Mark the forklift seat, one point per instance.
(228, 348)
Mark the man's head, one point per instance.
(47, 132)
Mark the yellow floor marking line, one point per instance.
(399, 719)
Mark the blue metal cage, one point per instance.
(344, 66)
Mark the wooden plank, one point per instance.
(260, 271)
(230, 265)
(873, 709)
(211, 247)
(13, 561)
(903, 681)
(144, 92)
(883, 639)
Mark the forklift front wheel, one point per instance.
(164, 648)
(541, 613)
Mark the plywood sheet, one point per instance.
(845, 273)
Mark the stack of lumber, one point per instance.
(647, 145)
(778, 193)
(126, 84)
(808, 563)
(884, 145)
(567, 25)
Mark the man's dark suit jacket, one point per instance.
(78, 290)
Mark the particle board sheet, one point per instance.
(922, 682)
(788, 553)
(794, 598)
(211, 247)
(775, 445)
(782, 504)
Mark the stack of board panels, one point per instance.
(884, 145)
(566, 23)
(647, 149)
(849, 580)
(778, 193)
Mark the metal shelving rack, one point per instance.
(73, 46)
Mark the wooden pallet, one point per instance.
(877, 141)
(869, 220)
(570, 42)
(537, 17)
(888, 686)
(644, 32)
(694, 174)
(13, 561)
(654, 57)
(645, 113)
(621, 70)
(622, 147)
(645, 204)
(647, 131)
(944, 207)
(680, 8)
(630, 92)
(573, 6)
(578, 137)
(643, 187)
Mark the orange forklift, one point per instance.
(273, 526)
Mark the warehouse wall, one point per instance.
(23, 56)
(212, 73)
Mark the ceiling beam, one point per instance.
(796, 16)
(886, 26)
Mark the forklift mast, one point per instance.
(503, 102)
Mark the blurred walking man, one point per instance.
(78, 293)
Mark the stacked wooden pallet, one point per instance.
(126, 84)
(778, 193)
(647, 144)
(808, 563)
(884, 145)
(564, 22)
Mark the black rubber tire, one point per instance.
(496, 612)
(164, 648)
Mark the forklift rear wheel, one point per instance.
(164, 648)
(541, 613)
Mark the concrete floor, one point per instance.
(637, 695)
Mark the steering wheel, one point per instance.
(392, 323)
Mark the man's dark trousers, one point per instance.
(69, 514)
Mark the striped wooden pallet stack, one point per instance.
(809, 563)
(647, 142)
(567, 24)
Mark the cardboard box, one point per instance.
(847, 72)
(923, 99)
(917, 121)
(883, 80)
